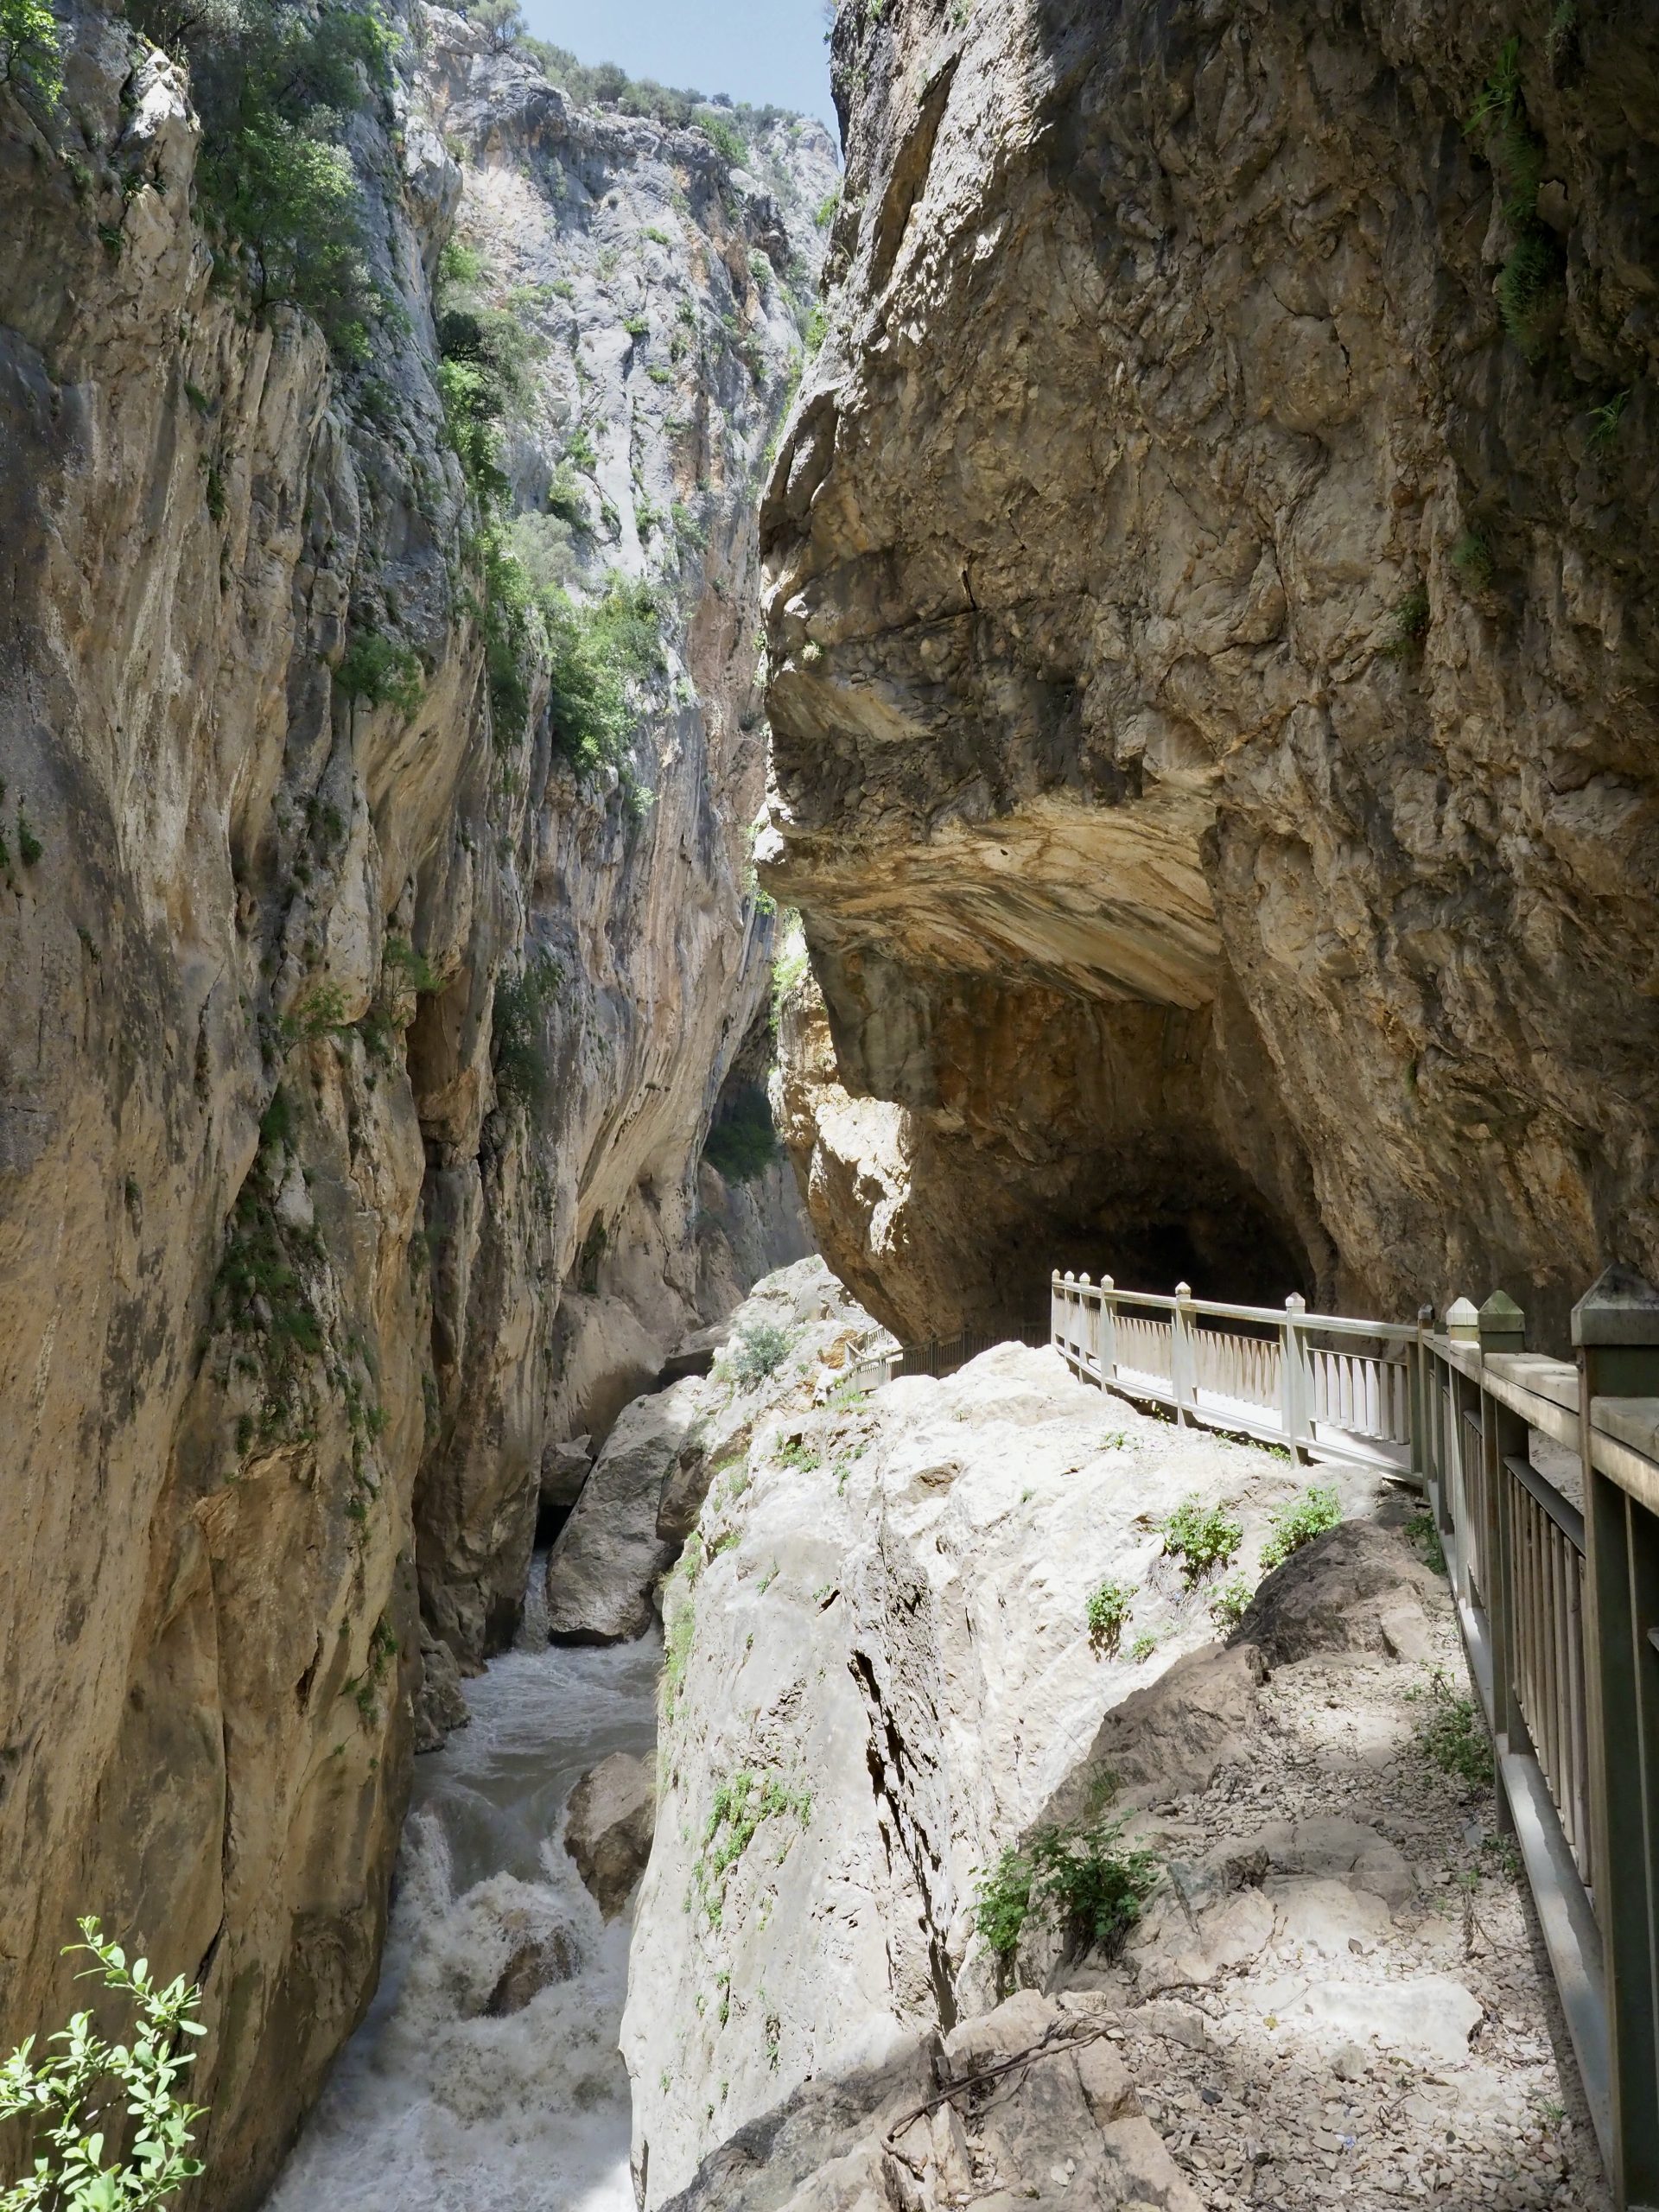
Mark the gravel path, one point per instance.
(1334, 2062)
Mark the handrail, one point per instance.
(1559, 1606)
(1288, 1382)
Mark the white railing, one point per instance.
(1325, 1385)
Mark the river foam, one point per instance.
(435, 2106)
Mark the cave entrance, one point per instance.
(1211, 1230)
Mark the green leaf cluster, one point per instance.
(521, 1006)
(1079, 1873)
(1532, 271)
(28, 49)
(743, 1142)
(93, 2095)
(380, 672)
(1297, 1521)
(759, 1350)
(273, 83)
(1451, 1735)
(1202, 1538)
(1107, 1612)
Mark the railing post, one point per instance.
(1616, 1330)
(1181, 1365)
(1463, 1327)
(1295, 1409)
(1423, 1405)
(1108, 1331)
(1085, 1325)
(1503, 1436)
(1056, 1308)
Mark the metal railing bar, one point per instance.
(1570, 1935)
(1561, 1510)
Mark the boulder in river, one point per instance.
(613, 1814)
(535, 1966)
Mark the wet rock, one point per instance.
(535, 1966)
(440, 1703)
(608, 1830)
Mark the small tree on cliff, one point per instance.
(96, 2094)
(28, 48)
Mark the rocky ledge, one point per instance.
(922, 1639)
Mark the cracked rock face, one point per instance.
(284, 1329)
(1213, 667)
(879, 1675)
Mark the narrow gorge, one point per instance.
(649, 762)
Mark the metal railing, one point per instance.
(1323, 1384)
(1543, 1480)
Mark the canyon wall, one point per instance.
(1212, 655)
(359, 1048)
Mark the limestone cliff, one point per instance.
(357, 1046)
(925, 1643)
(1213, 655)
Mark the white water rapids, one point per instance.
(434, 2107)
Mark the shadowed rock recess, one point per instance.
(1213, 655)
(359, 1044)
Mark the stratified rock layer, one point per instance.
(1213, 659)
(283, 1255)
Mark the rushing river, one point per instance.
(434, 2107)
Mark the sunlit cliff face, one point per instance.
(1211, 673)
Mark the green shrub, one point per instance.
(520, 1011)
(1424, 1530)
(1451, 1735)
(408, 970)
(375, 669)
(1202, 1537)
(1532, 271)
(28, 49)
(272, 81)
(1231, 1602)
(72, 2105)
(824, 213)
(757, 1350)
(1079, 1874)
(743, 1143)
(320, 1013)
(1409, 625)
(1106, 1611)
(1298, 1522)
(499, 19)
(1604, 420)
(724, 137)
(1472, 557)
(1526, 284)
(1142, 1647)
(566, 498)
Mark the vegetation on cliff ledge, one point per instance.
(278, 193)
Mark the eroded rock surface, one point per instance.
(285, 1242)
(879, 1673)
(881, 1676)
(1213, 672)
